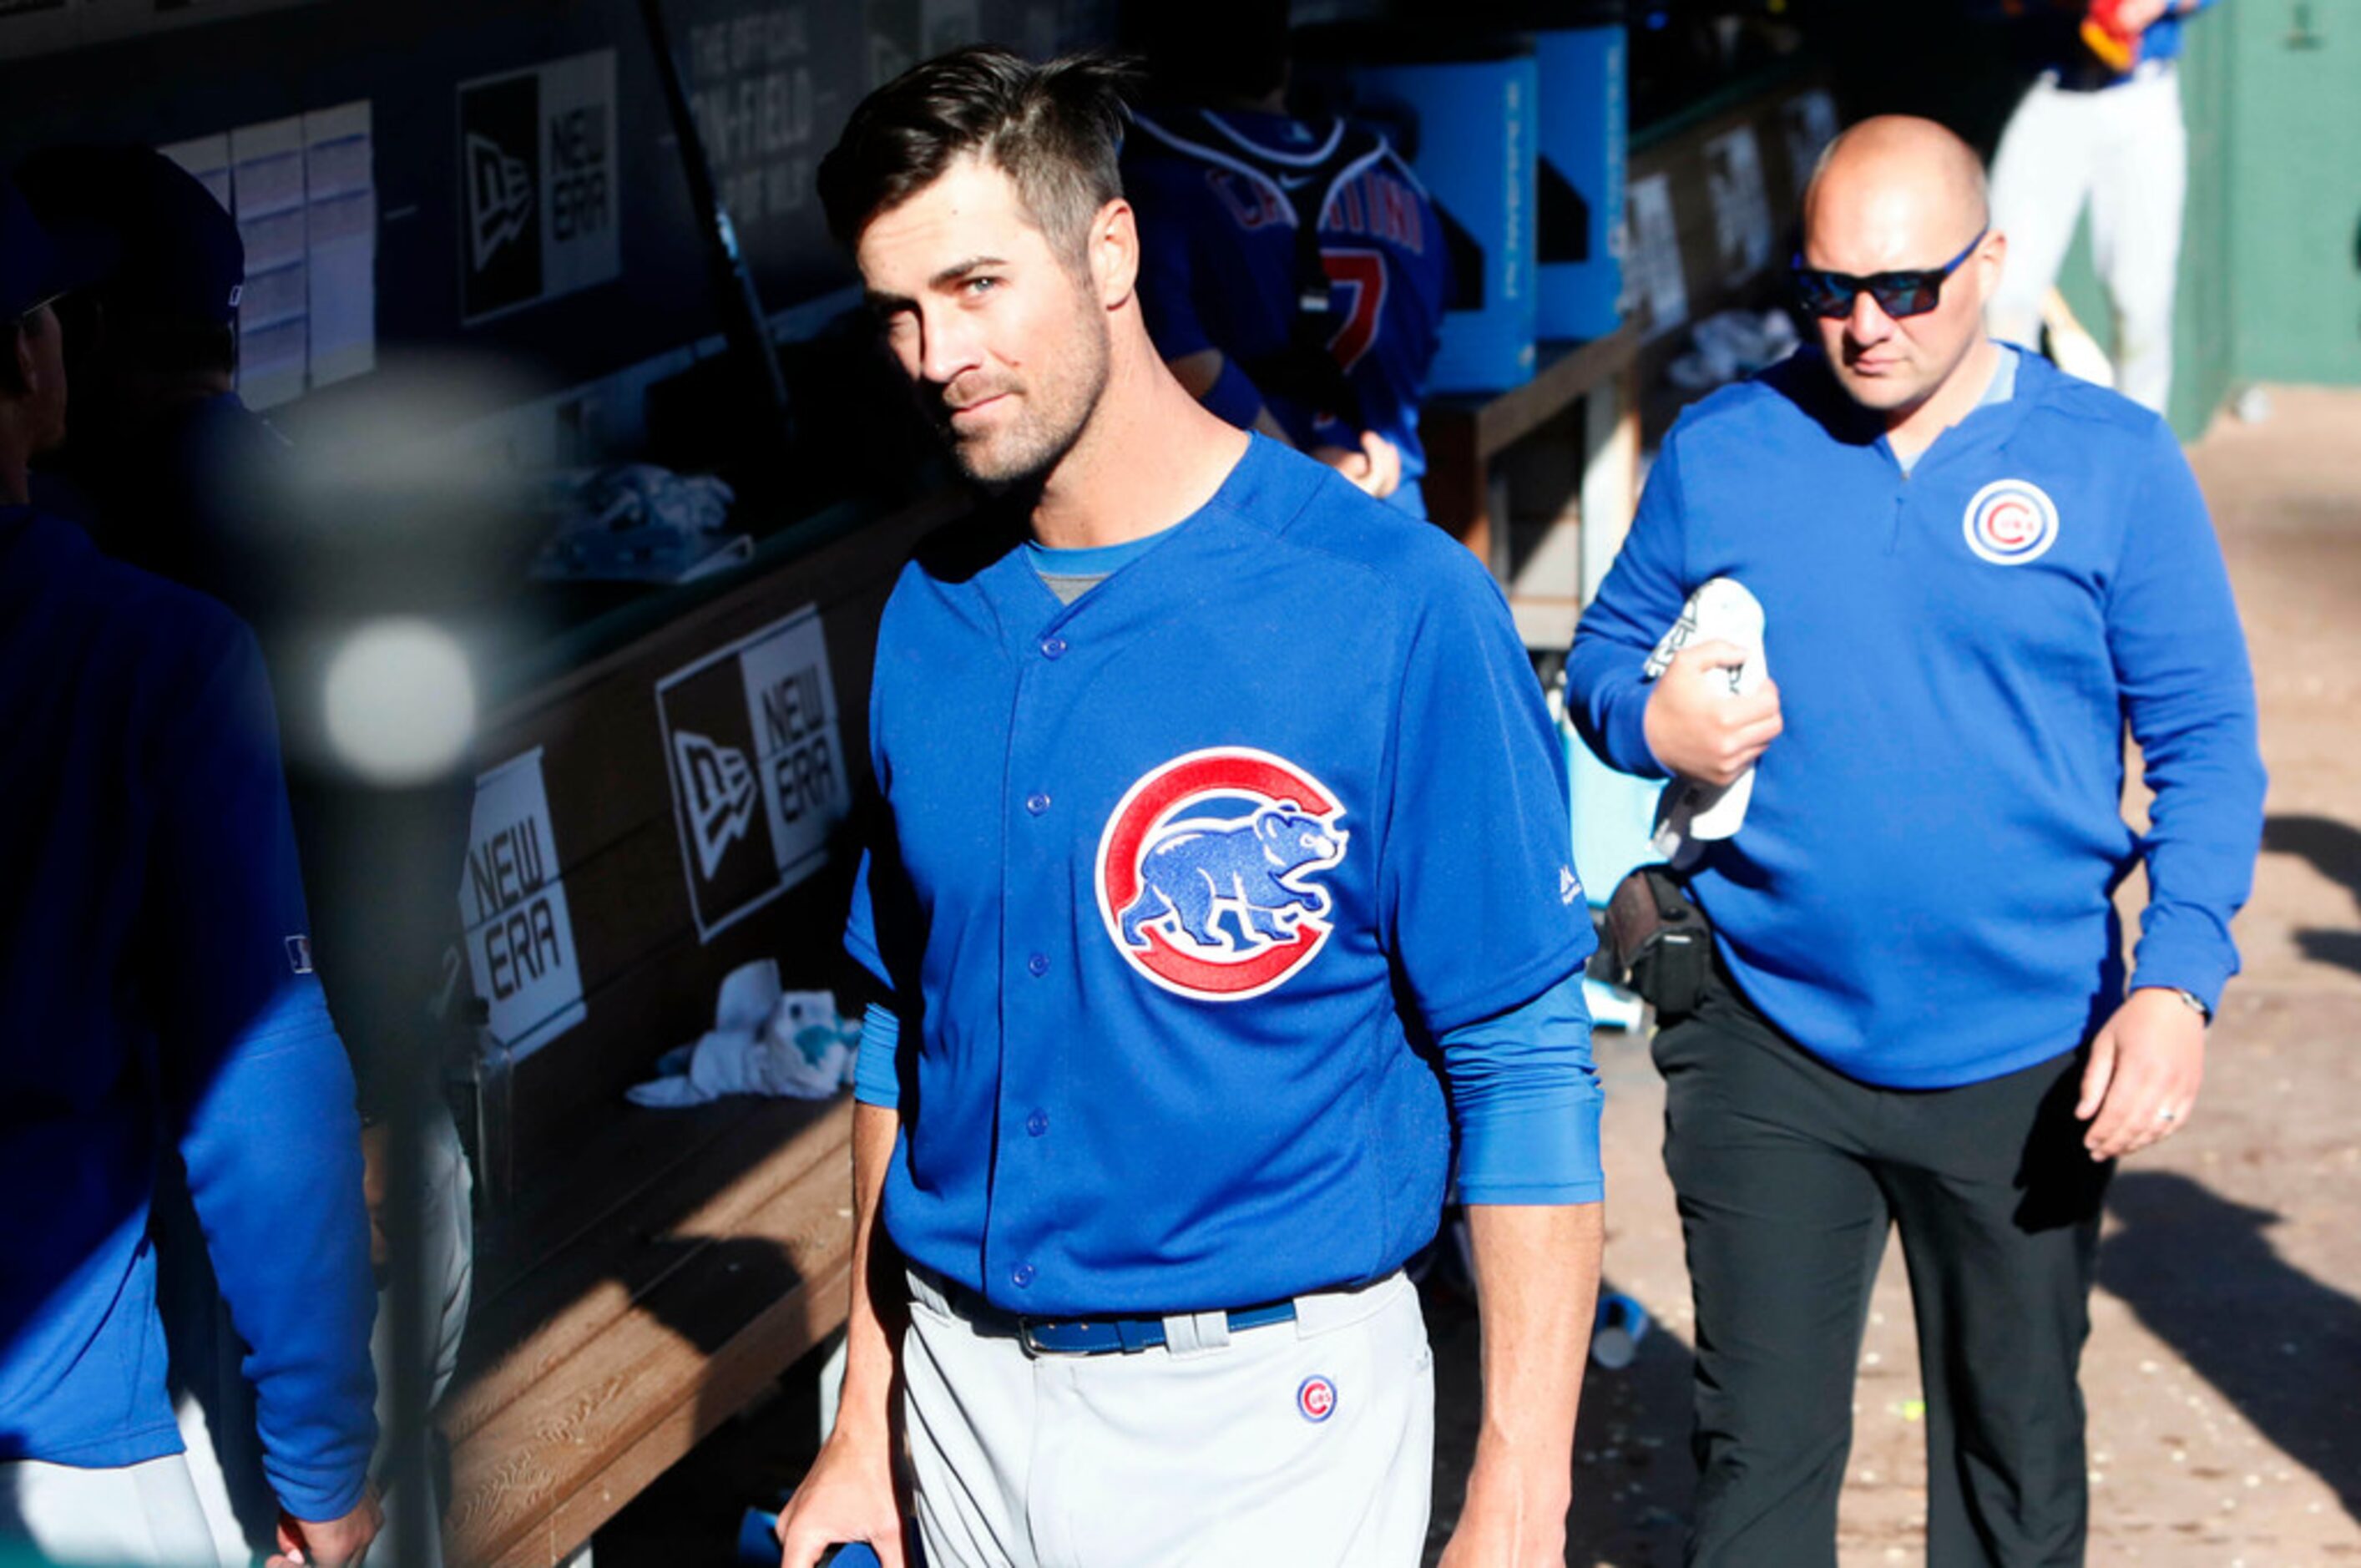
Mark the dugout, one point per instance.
(478, 258)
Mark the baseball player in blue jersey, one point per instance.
(1292, 273)
(1976, 572)
(1220, 888)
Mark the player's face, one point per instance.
(1892, 364)
(1004, 343)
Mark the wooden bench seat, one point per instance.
(697, 1256)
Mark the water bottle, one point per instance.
(1615, 1337)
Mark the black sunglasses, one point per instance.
(1911, 293)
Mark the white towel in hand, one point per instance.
(1691, 813)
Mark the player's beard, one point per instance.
(1054, 408)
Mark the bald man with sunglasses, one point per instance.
(1975, 573)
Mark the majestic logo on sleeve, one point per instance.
(2011, 522)
(1207, 872)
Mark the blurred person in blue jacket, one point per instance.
(158, 999)
(170, 470)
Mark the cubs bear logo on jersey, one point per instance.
(1207, 872)
(2011, 522)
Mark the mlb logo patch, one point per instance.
(1315, 1399)
(2010, 522)
(299, 954)
(1209, 870)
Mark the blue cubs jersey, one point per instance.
(1179, 884)
(1219, 198)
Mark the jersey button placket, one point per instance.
(1032, 1009)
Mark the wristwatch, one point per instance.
(2194, 1003)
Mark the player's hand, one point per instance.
(847, 1495)
(1375, 467)
(1514, 1517)
(328, 1543)
(2142, 1078)
(1696, 727)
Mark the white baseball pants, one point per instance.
(144, 1514)
(1295, 1445)
(2126, 150)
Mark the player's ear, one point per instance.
(1991, 257)
(19, 374)
(1114, 249)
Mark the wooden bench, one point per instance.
(672, 1307)
(650, 1272)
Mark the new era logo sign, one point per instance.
(539, 204)
(718, 787)
(758, 780)
(499, 177)
(500, 199)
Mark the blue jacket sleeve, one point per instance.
(1526, 1099)
(1607, 694)
(258, 1089)
(2180, 663)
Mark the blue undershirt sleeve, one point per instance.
(2187, 690)
(258, 1091)
(1527, 1101)
(876, 1081)
(1607, 691)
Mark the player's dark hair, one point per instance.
(1055, 129)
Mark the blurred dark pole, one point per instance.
(403, 854)
(743, 321)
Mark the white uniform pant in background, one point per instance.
(213, 1400)
(2125, 149)
(1307, 1445)
(141, 1515)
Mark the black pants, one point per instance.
(1788, 1174)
